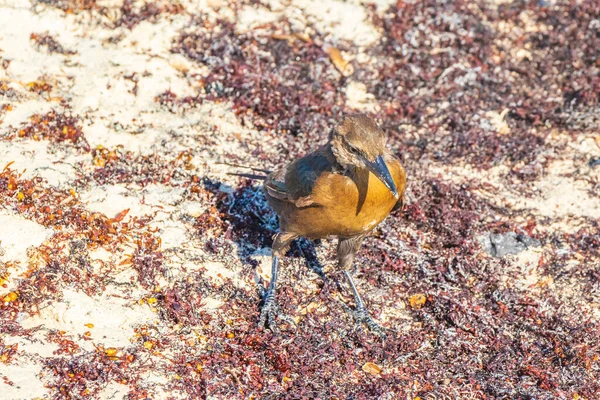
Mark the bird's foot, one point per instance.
(270, 310)
(361, 316)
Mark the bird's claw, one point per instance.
(269, 310)
(361, 316)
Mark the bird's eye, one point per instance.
(354, 150)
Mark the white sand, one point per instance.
(93, 83)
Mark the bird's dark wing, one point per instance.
(295, 182)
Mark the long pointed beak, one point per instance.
(381, 171)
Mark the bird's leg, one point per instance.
(347, 249)
(270, 309)
(361, 315)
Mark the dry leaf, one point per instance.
(120, 215)
(311, 307)
(337, 59)
(12, 296)
(371, 368)
(417, 300)
(111, 352)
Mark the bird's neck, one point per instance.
(341, 157)
(348, 169)
(336, 166)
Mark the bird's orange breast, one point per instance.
(347, 205)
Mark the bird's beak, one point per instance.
(381, 171)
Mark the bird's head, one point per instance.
(357, 141)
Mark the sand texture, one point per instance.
(129, 258)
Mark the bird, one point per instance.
(344, 188)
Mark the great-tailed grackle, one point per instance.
(345, 189)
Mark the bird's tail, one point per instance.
(249, 176)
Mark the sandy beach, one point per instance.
(129, 258)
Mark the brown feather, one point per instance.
(322, 201)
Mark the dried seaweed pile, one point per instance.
(458, 325)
